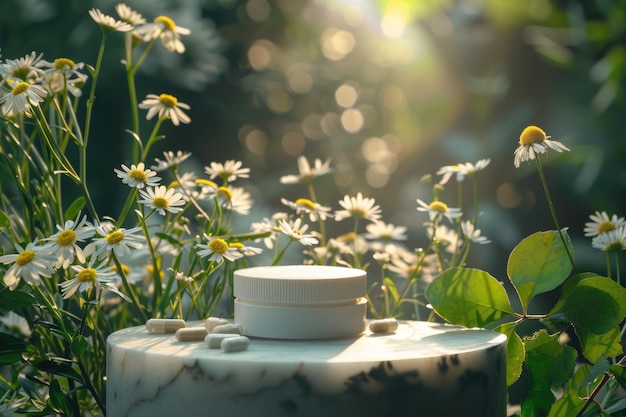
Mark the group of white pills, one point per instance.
(217, 333)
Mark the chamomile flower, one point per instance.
(29, 263)
(245, 250)
(25, 68)
(533, 141)
(444, 237)
(63, 74)
(229, 171)
(473, 234)
(602, 223)
(137, 176)
(165, 29)
(611, 241)
(22, 97)
(358, 207)
(128, 15)
(305, 206)
(217, 249)
(235, 199)
(108, 23)
(117, 240)
(63, 243)
(438, 208)
(86, 278)
(162, 199)
(165, 105)
(297, 231)
(171, 160)
(269, 225)
(306, 173)
(461, 170)
(385, 231)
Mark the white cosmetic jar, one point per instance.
(300, 301)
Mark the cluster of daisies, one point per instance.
(26, 82)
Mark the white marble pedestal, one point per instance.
(421, 370)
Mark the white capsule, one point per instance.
(214, 340)
(164, 325)
(235, 344)
(213, 322)
(191, 334)
(228, 328)
(384, 326)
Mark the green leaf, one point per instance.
(79, 346)
(75, 208)
(596, 345)
(4, 219)
(11, 349)
(11, 300)
(57, 400)
(566, 406)
(596, 305)
(619, 372)
(391, 287)
(515, 352)
(539, 264)
(598, 368)
(469, 297)
(548, 362)
(63, 369)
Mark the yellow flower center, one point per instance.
(115, 237)
(174, 184)
(87, 275)
(306, 203)
(125, 269)
(25, 257)
(20, 88)
(168, 100)
(218, 246)
(66, 237)
(160, 202)
(150, 269)
(438, 206)
(606, 226)
(21, 72)
(225, 192)
(60, 63)
(530, 135)
(348, 237)
(138, 175)
(236, 245)
(168, 24)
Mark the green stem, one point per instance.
(130, 293)
(553, 212)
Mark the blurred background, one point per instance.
(390, 90)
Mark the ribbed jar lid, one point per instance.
(293, 284)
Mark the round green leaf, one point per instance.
(539, 264)
(595, 305)
(594, 346)
(469, 297)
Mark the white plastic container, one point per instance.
(300, 301)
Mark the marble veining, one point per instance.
(423, 369)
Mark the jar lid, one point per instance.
(299, 284)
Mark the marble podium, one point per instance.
(421, 370)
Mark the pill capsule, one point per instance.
(164, 325)
(191, 334)
(228, 328)
(213, 322)
(384, 326)
(235, 344)
(214, 340)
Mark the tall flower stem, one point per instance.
(553, 212)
